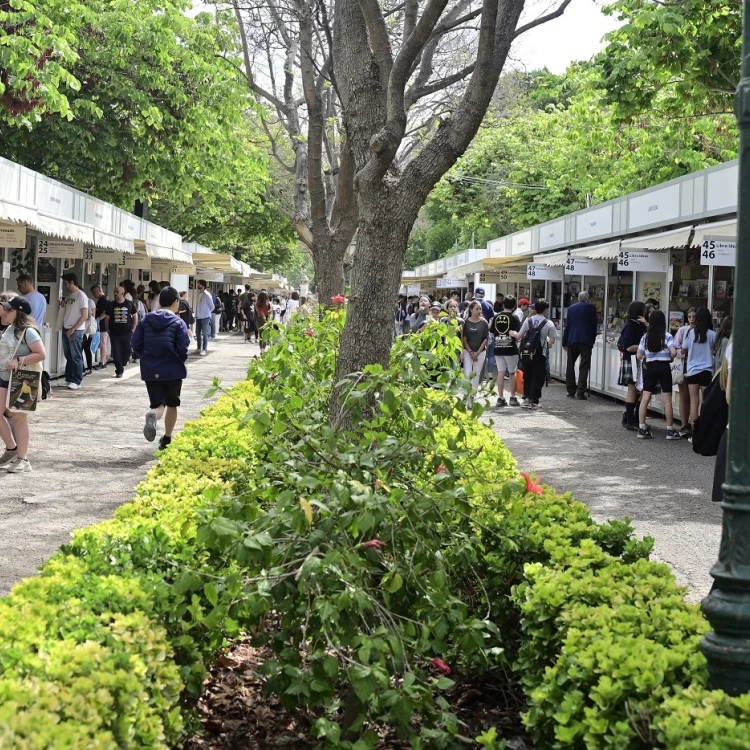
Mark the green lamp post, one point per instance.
(727, 607)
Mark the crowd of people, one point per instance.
(501, 339)
(150, 325)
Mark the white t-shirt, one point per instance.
(74, 306)
(10, 344)
(291, 307)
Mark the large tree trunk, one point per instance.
(329, 270)
(385, 221)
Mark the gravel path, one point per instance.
(665, 488)
(88, 454)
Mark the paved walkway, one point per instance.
(580, 447)
(88, 453)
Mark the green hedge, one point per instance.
(475, 566)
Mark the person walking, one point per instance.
(698, 350)
(161, 342)
(21, 344)
(153, 295)
(630, 337)
(504, 328)
(578, 341)
(120, 323)
(249, 318)
(75, 308)
(186, 313)
(474, 336)
(499, 300)
(292, 306)
(656, 351)
(217, 312)
(262, 311)
(90, 338)
(102, 305)
(203, 311)
(537, 335)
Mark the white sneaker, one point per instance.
(149, 429)
(19, 466)
(204, 353)
(8, 457)
(74, 386)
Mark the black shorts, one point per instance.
(164, 392)
(657, 373)
(4, 383)
(703, 379)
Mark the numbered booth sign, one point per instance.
(719, 251)
(642, 260)
(47, 247)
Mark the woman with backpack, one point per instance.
(698, 350)
(656, 351)
(537, 335)
(475, 335)
(630, 336)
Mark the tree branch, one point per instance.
(379, 41)
(414, 94)
(542, 19)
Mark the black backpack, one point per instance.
(45, 385)
(531, 343)
(188, 317)
(713, 420)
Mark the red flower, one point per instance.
(309, 332)
(373, 543)
(441, 665)
(440, 469)
(531, 486)
(338, 299)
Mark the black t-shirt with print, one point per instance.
(475, 333)
(502, 324)
(120, 317)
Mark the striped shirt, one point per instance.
(663, 356)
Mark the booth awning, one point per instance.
(182, 256)
(219, 262)
(552, 259)
(511, 260)
(717, 229)
(157, 252)
(660, 241)
(109, 241)
(605, 251)
(51, 226)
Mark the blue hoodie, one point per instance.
(161, 341)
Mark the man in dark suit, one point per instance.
(578, 341)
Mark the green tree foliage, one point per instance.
(681, 57)
(162, 114)
(558, 147)
(36, 51)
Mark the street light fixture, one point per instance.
(727, 607)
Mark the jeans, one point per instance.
(202, 330)
(534, 372)
(584, 352)
(73, 350)
(120, 351)
(213, 326)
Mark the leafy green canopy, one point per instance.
(37, 46)
(569, 146)
(159, 112)
(680, 57)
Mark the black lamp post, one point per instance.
(727, 607)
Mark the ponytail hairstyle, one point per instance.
(656, 337)
(703, 324)
(725, 332)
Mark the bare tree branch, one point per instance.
(378, 33)
(542, 19)
(415, 94)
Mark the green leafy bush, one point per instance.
(372, 558)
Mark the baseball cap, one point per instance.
(17, 303)
(479, 290)
(523, 301)
(436, 306)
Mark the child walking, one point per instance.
(656, 351)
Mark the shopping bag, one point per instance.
(24, 389)
(519, 381)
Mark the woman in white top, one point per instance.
(679, 337)
(291, 307)
(698, 350)
(20, 344)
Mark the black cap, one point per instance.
(17, 303)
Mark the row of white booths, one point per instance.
(674, 243)
(48, 228)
